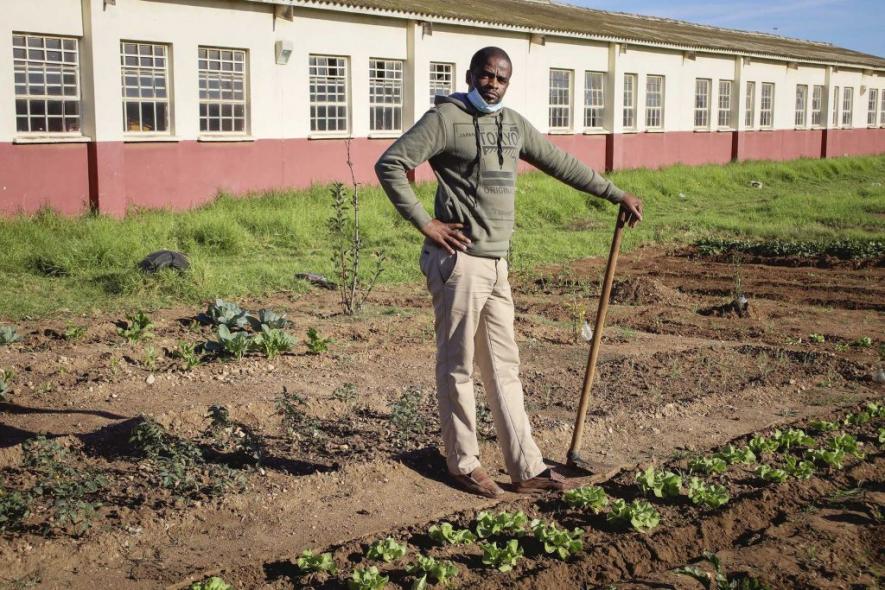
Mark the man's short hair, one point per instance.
(481, 57)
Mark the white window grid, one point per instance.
(882, 108)
(724, 115)
(766, 106)
(847, 106)
(560, 99)
(629, 101)
(801, 104)
(46, 72)
(817, 104)
(222, 84)
(144, 77)
(836, 96)
(702, 103)
(594, 100)
(654, 101)
(385, 95)
(328, 94)
(750, 114)
(442, 80)
(872, 105)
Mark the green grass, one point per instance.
(254, 246)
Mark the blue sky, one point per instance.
(854, 24)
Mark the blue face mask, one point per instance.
(480, 104)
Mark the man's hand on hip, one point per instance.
(633, 206)
(447, 236)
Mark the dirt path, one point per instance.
(672, 381)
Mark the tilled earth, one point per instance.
(358, 458)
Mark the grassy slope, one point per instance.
(254, 246)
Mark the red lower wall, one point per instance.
(37, 176)
(114, 177)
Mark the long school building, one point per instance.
(114, 104)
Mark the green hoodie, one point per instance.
(474, 156)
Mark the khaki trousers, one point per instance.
(474, 315)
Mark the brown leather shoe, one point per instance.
(544, 481)
(479, 482)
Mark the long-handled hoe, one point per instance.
(574, 459)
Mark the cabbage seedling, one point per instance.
(386, 550)
(213, 583)
(816, 338)
(8, 335)
(503, 522)
(367, 579)
(798, 469)
(223, 313)
(503, 558)
(846, 444)
(761, 445)
(592, 497)
(831, 458)
(707, 465)
(858, 419)
(663, 484)
(429, 568)
(236, 344)
(823, 426)
(732, 455)
(709, 495)
(315, 343)
(310, 562)
(639, 514)
(794, 437)
(271, 319)
(769, 473)
(138, 327)
(272, 341)
(445, 533)
(558, 541)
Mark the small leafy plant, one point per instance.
(213, 583)
(6, 377)
(503, 558)
(592, 497)
(236, 344)
(488, 524)
(8, 335)
(309, 562)
(557, 541)
(639, 514)
(315, 343)
(733, 455)
(272, 341)
(793, 437)
(223, 313)
(797, 468)
(709, 495)
(663, 484)
(719, 580)
(847, 444)
(271, 319)
(14, 508)
(761, 445)
(816, 338)
(707, 465)
(863, 342)
(386, 550)
(428, 568)
(367, 579)
(138, 326)
(858, 418)
(771, 474)
(292, 408)
(446, 534)
(74, 332)
(831, 458)
(823, 426)
(405, 414)
(188, 355)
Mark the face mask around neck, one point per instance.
(480, 103)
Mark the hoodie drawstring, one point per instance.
(498, 122)
(499, 125)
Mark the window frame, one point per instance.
(25, 65)
(882, 107)
(837, 100)
(770, 110)
(704, 109)
(554, 108)
(592, 110)
(750, 105)
(724, 109)
(872, 101)
(650, 110)
(315, 79)
(138, 71)
(800, 117)
(847, 106)
(376, 83)
(221, 102)
(630, 109)
(817, 105)
(434, 83)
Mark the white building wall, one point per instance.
(279, 94)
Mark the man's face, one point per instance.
(492, 79)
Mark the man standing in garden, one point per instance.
(473, 144)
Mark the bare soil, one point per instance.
(358, 463)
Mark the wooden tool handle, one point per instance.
(578, 432)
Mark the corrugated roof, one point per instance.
(564, 18)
